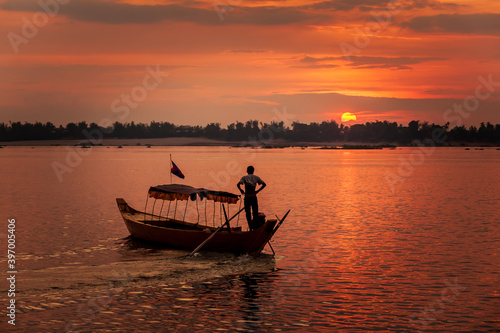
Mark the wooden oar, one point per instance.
(269, 243)
(280, 221)
(216, 231)
(276, 228)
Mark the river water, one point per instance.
(401, 240)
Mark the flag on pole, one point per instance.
(176, 171)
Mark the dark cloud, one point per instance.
(481, 24)
(358, 62)
(368, 5)
(122, 13)
(316, 66)
(272, 16)
(118, 13)
(346, 5)
(311, 62)
(246, 51)
(386, 62)
(308, 59)
(102, 11)
(365, 8)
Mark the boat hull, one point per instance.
(191, 235)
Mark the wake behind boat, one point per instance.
(179, 233)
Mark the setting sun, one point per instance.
(348, 116)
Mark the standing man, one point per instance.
(250, 181)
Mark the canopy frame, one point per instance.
(180, 192)
(173, 192)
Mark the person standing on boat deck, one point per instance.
(251, 204)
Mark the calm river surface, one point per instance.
(399, 240)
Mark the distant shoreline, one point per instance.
(200, 141)
(173, 141)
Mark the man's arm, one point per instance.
(261, 187)
(239, 187)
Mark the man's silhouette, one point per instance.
(251, 205)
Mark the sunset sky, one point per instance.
(235, 60)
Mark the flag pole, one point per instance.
(170, 169)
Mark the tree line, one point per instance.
(326, 131)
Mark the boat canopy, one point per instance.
(184, 192)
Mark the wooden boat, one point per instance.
(177, 233)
